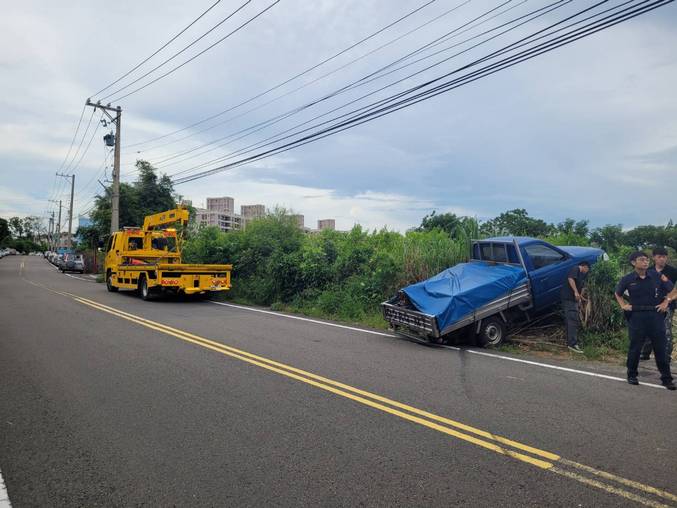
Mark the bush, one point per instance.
(603, 313)
(341, 274)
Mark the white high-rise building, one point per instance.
(220, 212)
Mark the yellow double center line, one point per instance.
(540, 458)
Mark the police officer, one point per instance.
(660, 260)
(571, 298)
(647, 292)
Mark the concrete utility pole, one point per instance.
(70, 210)
(115, 191)
(58, 226)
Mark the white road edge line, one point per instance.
(79, 278)
(547, 365)
(472, 351)
(304, 319)
(4, 497)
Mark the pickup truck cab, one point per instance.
(507, 281)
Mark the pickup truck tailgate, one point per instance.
(411, 319)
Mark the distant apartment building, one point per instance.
(299, 220)
(220, 212)
(251, 212)
(326, 224)
(224, 205)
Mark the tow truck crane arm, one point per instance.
(158, 220)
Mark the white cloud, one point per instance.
(564, 134)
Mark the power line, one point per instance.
(174, 69)
(274, 99)
(296, 76)
(401, 101)
(67, 168)
(158, 50)
(294, 111)
(77, 129)
(361, 81)
(96, 129)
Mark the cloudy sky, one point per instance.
(586, 131)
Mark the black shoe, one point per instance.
(633, 381)
(670, 385)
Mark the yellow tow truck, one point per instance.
(148, 260)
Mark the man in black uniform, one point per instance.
(571, 297)
(647, 292)
(660, 264)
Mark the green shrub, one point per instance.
(604, 313)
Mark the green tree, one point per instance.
(147, 195)
(4, 230)
(642, 237)
(570, 226)
(31, 227)
(16, 227)
(448, 222)
(609, 237)
(516, 222)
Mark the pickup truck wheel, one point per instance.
(492, 332)
(109, 283)
(144, 290)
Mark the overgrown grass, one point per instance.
(331, 274)
(344, 276)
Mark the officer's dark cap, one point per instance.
(660, 251)
(637, 254)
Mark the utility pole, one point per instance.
(58, 226)
(115, 192)
(69, 242)
(50, 231)
(70, 210)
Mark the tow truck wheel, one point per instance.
(109, 283)
(492, 332)
(144, 290)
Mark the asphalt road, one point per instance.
(109, 400)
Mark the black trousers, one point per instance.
(643, 326)
(646, 350)
(572, 321)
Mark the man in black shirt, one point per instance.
(661, 266)
(647, 292)
(571, 297)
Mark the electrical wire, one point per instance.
(300, 74)
(530, 16)
(400, 101)
(294, 111)
(82, 140)
(278, 97)
(89, 144)
(158, 50)
(174, 69)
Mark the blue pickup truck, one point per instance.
(508, 281)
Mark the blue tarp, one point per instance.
(457, 291)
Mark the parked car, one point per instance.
(508, 281)
(73, 263)
(58, 260)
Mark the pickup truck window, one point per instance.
(495, 251)
(542, 255)
(109, 246)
